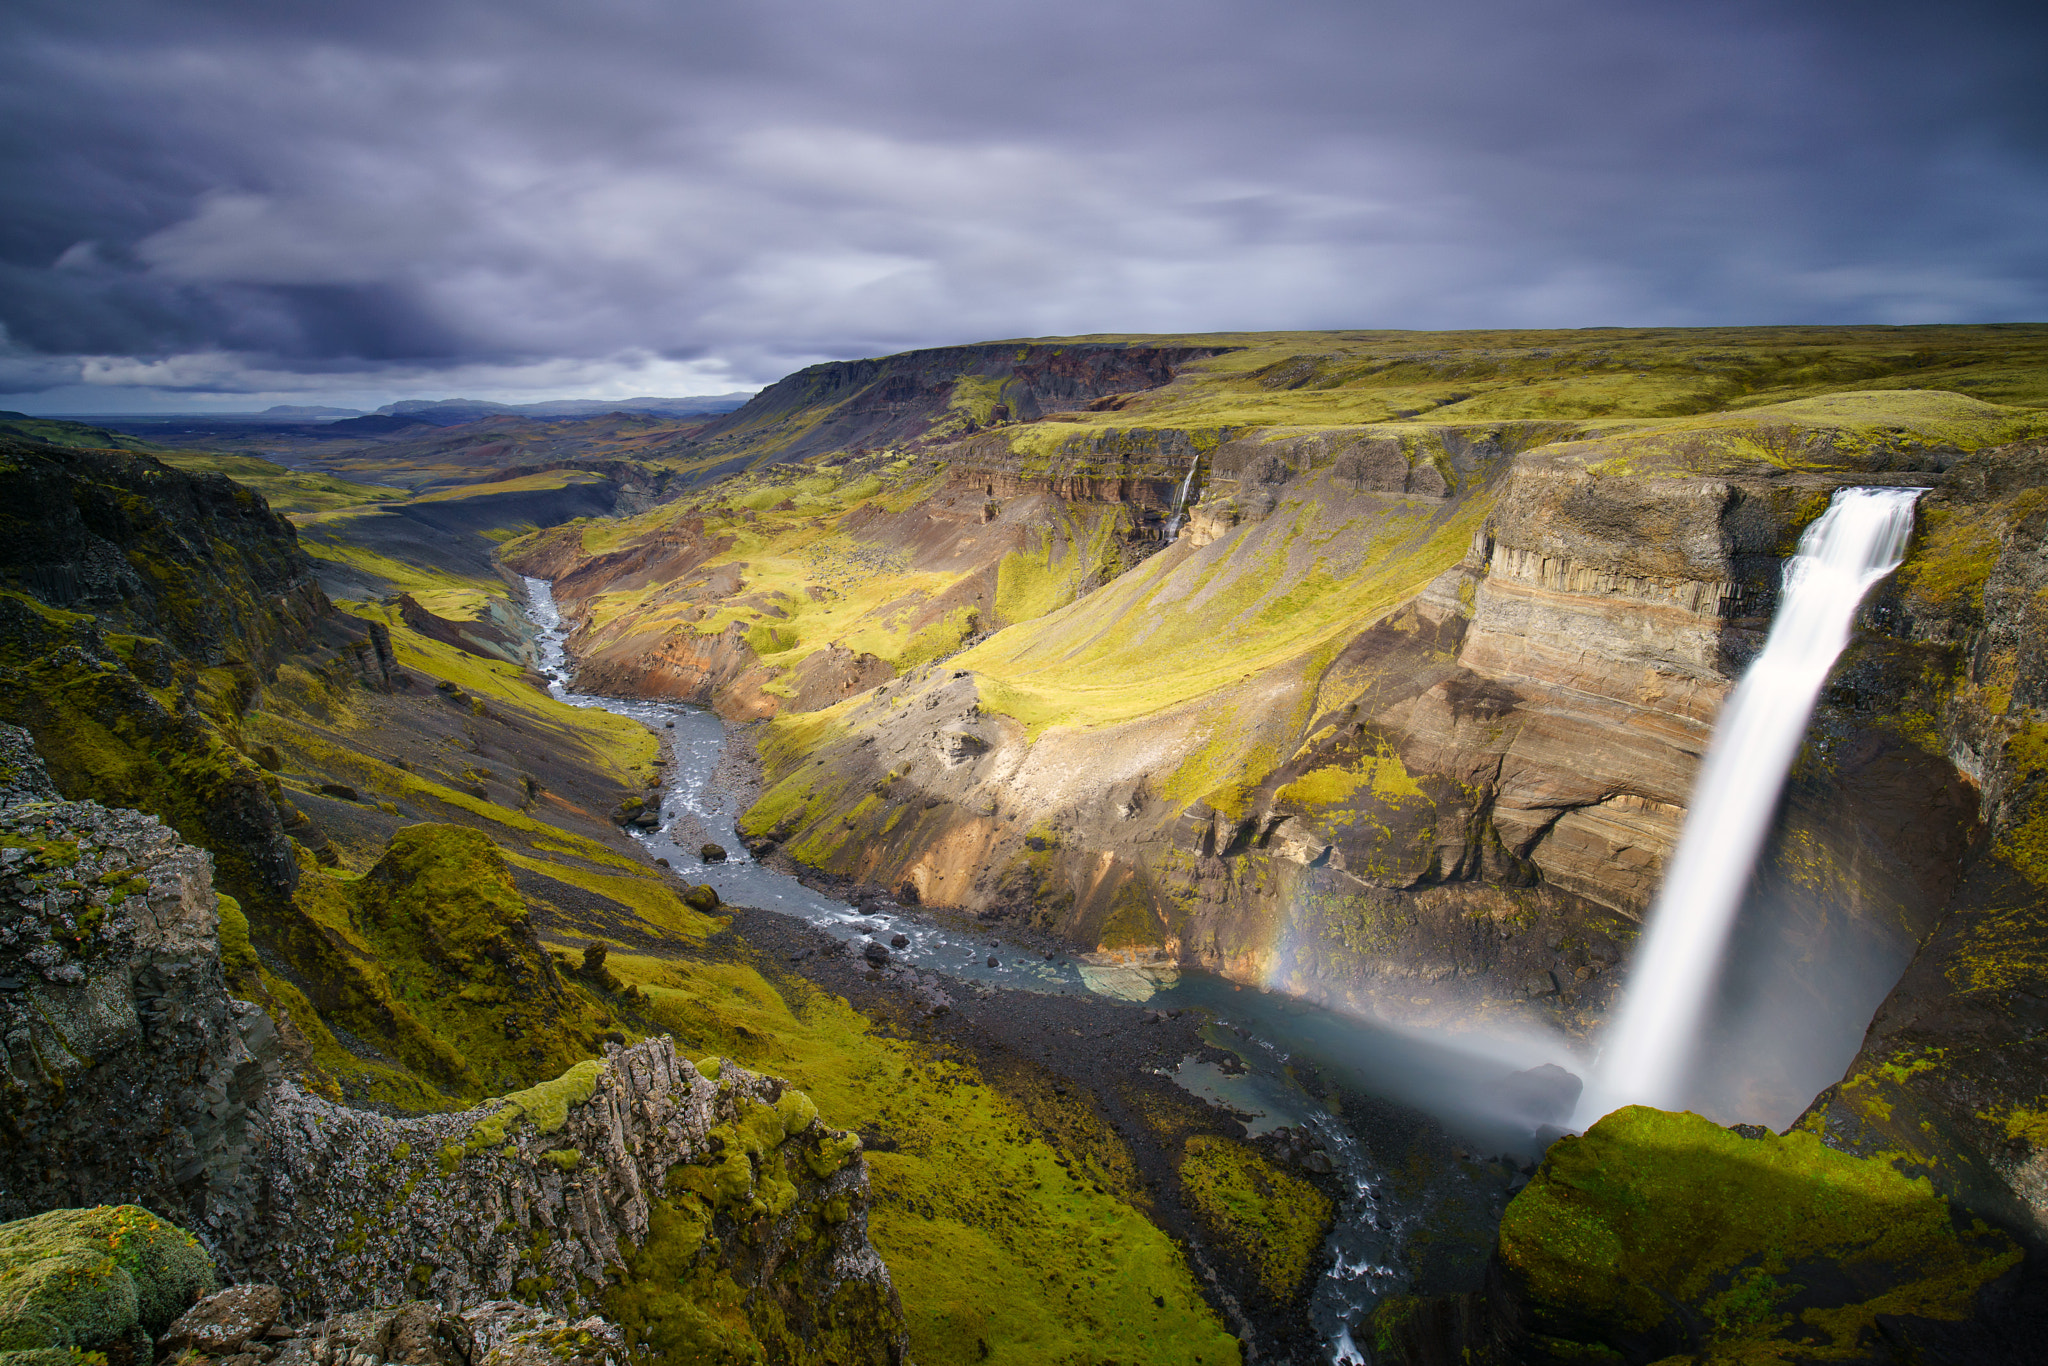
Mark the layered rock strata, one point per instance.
(1458, 803)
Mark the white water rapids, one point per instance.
(1651, 1043)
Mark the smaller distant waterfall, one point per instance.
(1180, 501)
(1650, 1045)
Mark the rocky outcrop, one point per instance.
(197, 561)
(1658, 1236)
(640, 1163)
(131, 1076)
(62, 1295)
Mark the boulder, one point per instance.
(1541, 1095)
(1721, 1246)
(712, 853)
(219, 1324)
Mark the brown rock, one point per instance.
(220, 1324)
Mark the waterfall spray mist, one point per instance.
(1650, 1045)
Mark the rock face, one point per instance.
(639, 1161)
(1951, 1073)
(131, 1076)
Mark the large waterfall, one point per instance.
(1650, 1045)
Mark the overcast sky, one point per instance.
(238, 203)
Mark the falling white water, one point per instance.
(1650, 1045)
(1180, 500)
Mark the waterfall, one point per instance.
(1180, 500)
(1860, 539)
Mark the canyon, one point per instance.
(1398, 715)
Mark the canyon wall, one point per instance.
(1417, 744)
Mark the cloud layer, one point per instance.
(517, 199)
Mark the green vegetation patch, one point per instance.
(106, 1279)
(1267, 1217)
(1000, 1252)
(1188, 624)
(292, 492)
(1761, 1241)
(460, 989)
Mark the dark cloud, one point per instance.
(381, 197)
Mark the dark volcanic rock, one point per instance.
(195, 559)
(1543, 1095)
(130, 1076)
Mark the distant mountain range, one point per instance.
(448, 412)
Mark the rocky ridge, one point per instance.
(133, 1078)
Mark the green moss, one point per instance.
(1132, 921)
(1763, 1241)
(997, 1255)
(110, 1278)
(237, 954)
(546, 1106)
(1267, 1217)
(1383, 774)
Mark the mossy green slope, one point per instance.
(1193, 622)
(747, 590)
(1655, 1233)
(1003, 1246)
(187, 693)
(1269, 1217)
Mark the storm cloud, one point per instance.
(359, 201)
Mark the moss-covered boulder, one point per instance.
(1655, 1234)
(106, 1279)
